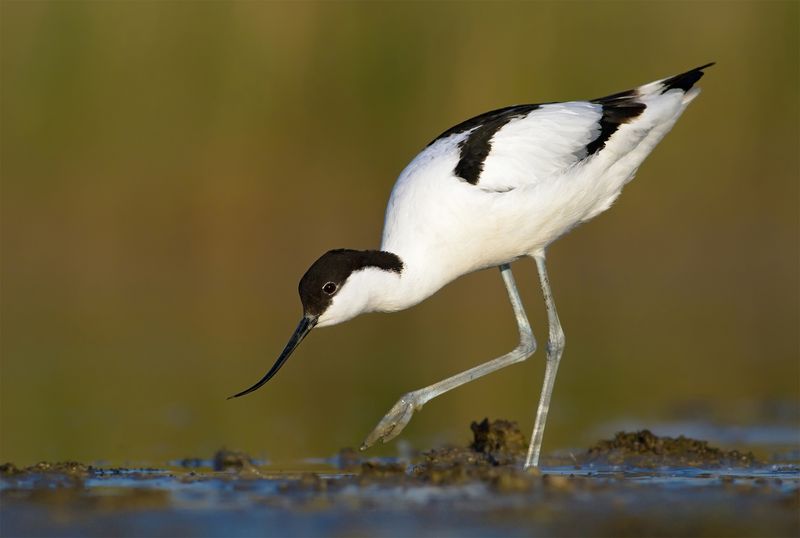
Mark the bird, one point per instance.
(494, 189)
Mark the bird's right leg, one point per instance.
(555, 347)
(399, 415)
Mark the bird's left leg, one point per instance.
(399, 415)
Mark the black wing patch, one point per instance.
(617, 109)
(475, 148)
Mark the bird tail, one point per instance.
(662, 102)
(684, 82)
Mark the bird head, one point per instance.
(337, 287)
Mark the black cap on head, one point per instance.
(327, 275)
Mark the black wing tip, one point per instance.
(685, 81)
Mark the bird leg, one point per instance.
(555, 347)
(400, 414)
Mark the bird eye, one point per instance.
(329, 288)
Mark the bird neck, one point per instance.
(392, 291)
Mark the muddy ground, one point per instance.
(636, 484)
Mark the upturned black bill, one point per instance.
(305, 326)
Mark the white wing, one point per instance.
(524, 145)
(541, 145)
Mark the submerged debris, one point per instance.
(373, 470)
(234, 460)
(192, 463)
(645, 449)
(71, 469)
(348, 459)
(9, 469)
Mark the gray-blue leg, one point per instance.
(555, 347)
(399, 415)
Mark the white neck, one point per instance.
(419, 279)
(372, 289)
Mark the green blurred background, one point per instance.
(169, 171)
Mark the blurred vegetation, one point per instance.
(169, 171)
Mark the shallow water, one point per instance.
(391, 497)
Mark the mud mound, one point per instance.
(500, 440)
(494, 456)
(645, 449)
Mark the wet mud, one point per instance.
(634, 484)
(643, 449)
